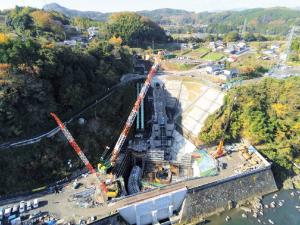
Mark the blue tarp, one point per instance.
(51, 222)
(205, 164)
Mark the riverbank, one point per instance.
(286, 211)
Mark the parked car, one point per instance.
(16, 221)
(28, 205)
(7, 212)
(22, 207)
(11, 217)
(35, 203)
(1, 214)
(15, 209)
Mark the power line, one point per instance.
(51, 133)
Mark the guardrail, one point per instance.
(185, 183)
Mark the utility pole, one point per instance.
(244, 26)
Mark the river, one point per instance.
(287, 214)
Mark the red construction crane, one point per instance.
(132, 115)
(78, 151)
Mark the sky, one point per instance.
(136, 5)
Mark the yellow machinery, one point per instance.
(163, 175)
(220, 149)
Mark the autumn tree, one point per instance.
(134, 28)
(3, 38)
(115, 41)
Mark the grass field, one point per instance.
(213, 56)
(176, 66)
(252, 60)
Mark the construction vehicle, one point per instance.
(134, 111)
(104, 165)
(111, 187)
(220, 148)
(101, 187)
(163, 175)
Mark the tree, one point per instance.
(3, 38)
(19, 19)
(232, 36)
(249, 37)
(268, 118)
(42, 19)
(115, 41)
(133, 28)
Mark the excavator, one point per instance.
(220, 148)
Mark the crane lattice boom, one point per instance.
(78, 150)
(133, 114)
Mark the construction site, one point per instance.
(145, 178)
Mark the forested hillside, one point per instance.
(37, 79)
(266, 21)
(40, 73)
(268, 115)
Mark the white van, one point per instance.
(22, 207)
(28, 205)
(35, 203)
(7, 212)
(15, 209)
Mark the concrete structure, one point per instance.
(202, 198)
(187, 197)
(162, 125)
(154, 210)
(205, 200)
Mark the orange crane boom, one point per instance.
(132, 115)
(220, 149)
(78, 150)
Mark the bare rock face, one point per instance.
(292, 183)
(230, 204)
(288, 184)
(296, 181)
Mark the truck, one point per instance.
(35, 203)
(22, 207)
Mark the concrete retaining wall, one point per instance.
(205, 200)
(114, 219)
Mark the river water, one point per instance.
(287, 214)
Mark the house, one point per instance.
(269, 52)
(231, 73)
(70, 42)
(241, 45)
(220, 49)
(232, 58)
(216, 45)
(212, 44)
(192, 45)
(229, 50)
(92, 31)
(228, 74)
(275, 46)
(213, 69)
(236, 48)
